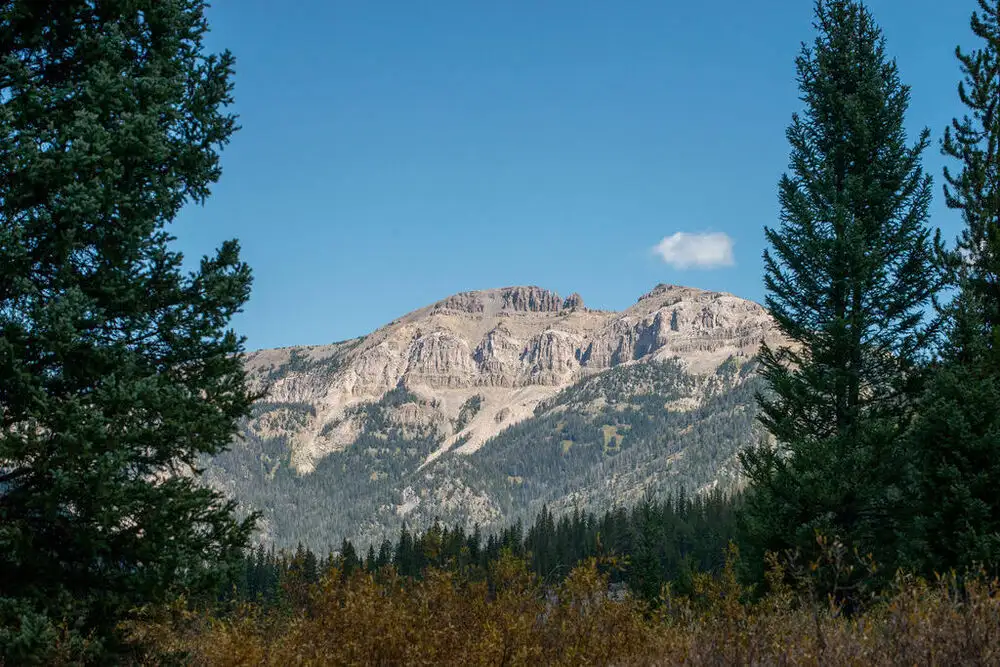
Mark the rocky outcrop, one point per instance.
(497, 357)
(573, 302)
(507, 299)
(506, 341)
(529, 299)
(465, 302)
(551, 357)
(440, 359)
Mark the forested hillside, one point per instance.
(643, 548)
(606, 441)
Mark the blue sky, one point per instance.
(395, 152)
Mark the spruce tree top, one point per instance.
(974, 140)
(850, 270)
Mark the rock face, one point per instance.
(573, 302)
(514, 347)
(509, 299)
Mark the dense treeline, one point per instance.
(644, 548)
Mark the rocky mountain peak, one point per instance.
(517, 299)
(602, 403)
(511, 347)
(529, 299)
(674, 293)
(573, 302)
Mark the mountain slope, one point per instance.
(483, 406)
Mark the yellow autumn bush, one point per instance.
(386, 619)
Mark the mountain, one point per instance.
(484, 406)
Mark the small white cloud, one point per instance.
(702, 251)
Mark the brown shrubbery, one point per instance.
(438, 620)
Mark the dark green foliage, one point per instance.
(955, 471)
(653, 544)
(300, 362)
(117, 370)
(393, 398)
(849, 274)
(975, 190)
(955, 441)
(349, 559)
(468, 411)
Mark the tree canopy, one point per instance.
(118, 368)
(849, 274)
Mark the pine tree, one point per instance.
(474, 543)
(404, 558)
(349, 559)
(975, 191)
(849, 274)
(955, 470)
(648, 540)
(310, 567)
(384, 555)
(118, 370)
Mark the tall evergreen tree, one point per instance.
(384, 555)
(118, 370)
(955, 471)
(975, 190)
(349, 561)
(849, 274)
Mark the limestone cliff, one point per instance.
(513, 347)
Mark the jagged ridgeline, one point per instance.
(487, 405)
